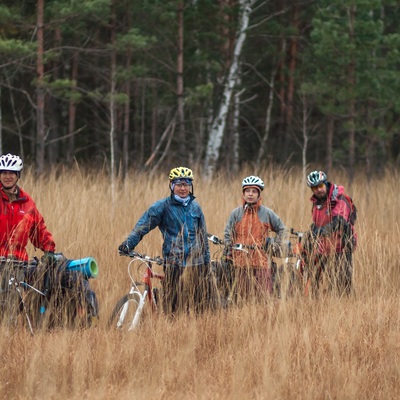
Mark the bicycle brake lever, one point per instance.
(159, 261)
(214, 239)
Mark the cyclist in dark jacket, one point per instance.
(185, 248)
(332, 230)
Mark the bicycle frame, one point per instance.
(140, 298)
(44, 305)
(310, 268)
(296, 271)
(17, 285)
(227, 284)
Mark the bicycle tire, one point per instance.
(125, 310)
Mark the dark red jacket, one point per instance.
(324, 214)
(21, 221)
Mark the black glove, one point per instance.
(124, 248)
(49, 258)
(322, 231)
(269, 243)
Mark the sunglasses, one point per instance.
(183, 185)
(319, 186)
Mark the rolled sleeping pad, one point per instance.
(86, 266)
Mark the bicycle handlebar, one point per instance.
(237, 246)
(214, 239)
(296, 233)
(133, 254)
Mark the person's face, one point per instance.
(251, 195)
(8, 179)
(182, 189)
(320, 191)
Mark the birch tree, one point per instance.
(219, 122)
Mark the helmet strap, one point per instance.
(12, 190)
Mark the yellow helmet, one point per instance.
(181, 173)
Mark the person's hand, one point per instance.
(269, 243)
(124, 248)
(322, 231)
(49, 258)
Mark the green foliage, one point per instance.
(133, 39)
(87, 8)
(5, 14)
(135, 71)
(17, 48)
(65, 89)
(196, 95)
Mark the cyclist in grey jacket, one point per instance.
(250, 225)
(185, 247)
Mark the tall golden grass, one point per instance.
(298, 348)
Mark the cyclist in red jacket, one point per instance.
(333, 215)
(20, 220)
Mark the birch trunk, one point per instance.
(219, 123)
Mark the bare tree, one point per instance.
(179, 82)
(40, 93)
(263, 145)
(72, 111)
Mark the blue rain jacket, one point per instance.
(183, 229)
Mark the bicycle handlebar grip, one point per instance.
(214, 239)
(296, 233)
(159, 260)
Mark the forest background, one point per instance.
(208, 83)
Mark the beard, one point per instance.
(322, 197)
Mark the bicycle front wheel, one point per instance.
(127, 312)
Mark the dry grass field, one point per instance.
(295, 348)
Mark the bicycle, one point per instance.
(70, 300)
(128, 310)
(227, 274)
(47, 299)
(293, 273)
(13, 292)
(317, 271)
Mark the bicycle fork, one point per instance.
(138, 313)
(136, 318)
(12, 282)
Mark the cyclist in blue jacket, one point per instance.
(185, 248)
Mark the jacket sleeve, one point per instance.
(39, 235)
(277, 226)
(147, 222)
(206, 247)
(230, 228)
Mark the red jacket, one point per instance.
(323, 215)
(21, 221)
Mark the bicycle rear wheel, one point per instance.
(127, 312)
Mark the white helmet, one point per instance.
(315, 178)
(9, 162)
(253, 181)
